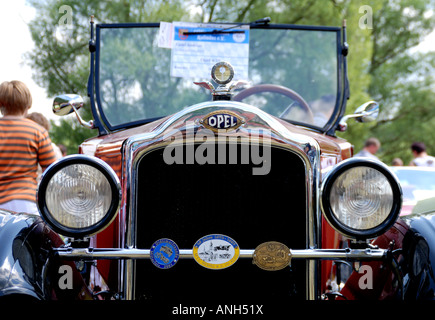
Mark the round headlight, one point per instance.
(79, 195)
(361, 198)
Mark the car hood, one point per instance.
(332, 149)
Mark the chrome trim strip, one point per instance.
(311, 254)
(305, 147)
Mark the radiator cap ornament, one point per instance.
(164, 253)
(222, 72)
(272, 256)
(216, 251)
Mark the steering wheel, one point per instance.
(277, 89)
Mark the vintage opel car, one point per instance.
(216, 172)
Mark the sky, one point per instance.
(427, 45)
(16, 40)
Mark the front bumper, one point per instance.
(367, 254)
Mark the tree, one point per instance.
(61, 56)
(398, 78)
(402, 80)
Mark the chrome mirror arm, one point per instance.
(342, 125)
(89, 124)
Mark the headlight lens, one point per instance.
(79, 195)
(361, 198)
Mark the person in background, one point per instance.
(397, 162)
(40, 119)
(23, 145)
(43, 121)
(371, 146)
(421, 158)
(63, 150)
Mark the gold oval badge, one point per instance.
(222, 120)
(272, 256)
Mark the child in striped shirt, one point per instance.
(23, 145)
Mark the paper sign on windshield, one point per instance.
(195, 53)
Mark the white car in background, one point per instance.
(418, 183)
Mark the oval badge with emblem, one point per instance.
(272, 256)
(216, 251)
(222, 120)
(164, 253)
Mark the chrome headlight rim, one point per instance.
(353, 233)
(93, 229)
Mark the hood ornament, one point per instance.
(222, 73)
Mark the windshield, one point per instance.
(140, 77)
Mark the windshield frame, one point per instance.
(103, 125)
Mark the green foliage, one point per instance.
(411, 116)
(380, 63)
(61, 56)
(403, 81)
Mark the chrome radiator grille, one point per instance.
(185, 202)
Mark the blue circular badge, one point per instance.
(164, 253)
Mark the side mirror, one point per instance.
(69, 103)
(66, 103)
(368, 112)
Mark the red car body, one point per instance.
(181, 200)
